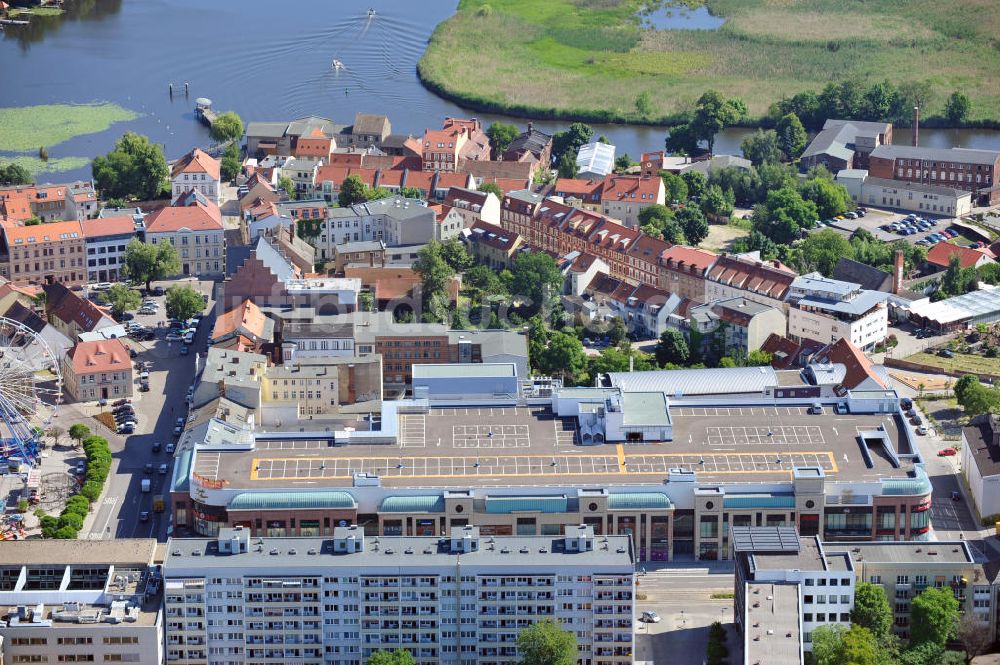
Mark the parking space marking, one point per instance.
(412, 431)
(490, 436)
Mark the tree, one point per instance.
(56, 433)
(934, 616)
(481, 280)
(570, 140)
(697, 184)
(872, 610)
(822, 250)
(956, 279)
(122, 299)
(964, 385)
(879, 101)
(78, 432)
(658, 220)
(623, 163)
(536, 278)
(286, 185)
(676, 188)
(831, 198)
(231, 163)
(974, 634)
(644, 104)
(397, 657)
(366, 301)
(957, 108)
(492, 188)
(501, 136)
(713, 113)
(859, 647)
(405, 192)
(683, 139)
(456, 255)
(146, 263)
(693, 223)
(758, 358)
(828, 644)
(782, 215)
(792, 137)
(228, 126)
(352, 191)
(15, 174)
(433, 269)
(618, 332)
(718, 202)
(618, 359)
(564, 357)
(183, 302)
(762, 147)
(672, 348)
(135, 168)
(567, 166)
(547, 643)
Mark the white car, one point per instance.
(173, 337)
(189, 338)
(650, 617)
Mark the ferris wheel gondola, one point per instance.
(30, 391)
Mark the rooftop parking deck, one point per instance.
(462, 447)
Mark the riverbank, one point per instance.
(593, 62)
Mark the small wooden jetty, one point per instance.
(203, 111)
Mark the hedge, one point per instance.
(67, 526)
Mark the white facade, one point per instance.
(396, 221)
(915, 197)
(459, 600)
(824, 310)
(816, 325)
(106, 257)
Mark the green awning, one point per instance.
(639, 501)
(291, 501)
(503, 505)
(424, 503)
(759, 501)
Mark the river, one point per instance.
(266, 62)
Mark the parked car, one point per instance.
(189, 337)
(127, 428)
(156, 446)
(922, 430)
(906, 402)
(144, 516)
(946, 353)
(170, 448)
(148, 468)
(947, 452)
(185, 350)
(174, 337)
(121, 402)
(851, 215)
(158, 291)
(144, 387)
(650, 617)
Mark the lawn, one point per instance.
(721, 236)
(591, 58)
(36, 11)
(961, 363)
(27, 128)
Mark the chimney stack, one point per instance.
(897, 272)
(916, 126)
(531, 126)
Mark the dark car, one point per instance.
(158, 291)
(121, 402)
(916, 420)
(156, 447)
(144, 387)
(906, 403)
(946, 353)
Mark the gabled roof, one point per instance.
(197, 161)
(941, 253)
(66, 306)
(631, 188)
(18, 236)
(195, 217)
(245, 319)
(108, 226)
(755, 277)
(532, 141)
(367, 123)
(680, 257)
(784, 352)
(868, 277)
(108, 355)
(964, 155)
(273, 259)
(859, 368)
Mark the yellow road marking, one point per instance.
(621, 458)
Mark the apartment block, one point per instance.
(43, 254)
(460, 599)
(81, 601)
(824, 310)
(74, 201)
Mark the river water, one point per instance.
(264, 61)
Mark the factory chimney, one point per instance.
(916, 126)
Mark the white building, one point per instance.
(981, 462)
(196, 171)
(461, 599)
(824, 310)
(396, 221)
(595, 160)
(107, 237)
(915, 197)
(72, 601)
(302, 172)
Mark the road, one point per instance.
(117, 515)
(682, 598)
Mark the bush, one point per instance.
(67, 526)
(22, 506)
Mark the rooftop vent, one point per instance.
(274, 552)
(312, 550)
(292, 551)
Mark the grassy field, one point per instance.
(590, 58)
(960, 363)
(721, 236)
(36, 11)
(27, 128)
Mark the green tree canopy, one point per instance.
(693, 224)
(783, 214)
(831, 198)
(676, 188)
(455, 254)
(934, 616)
(823, 249)
(145, 262)
(956, 280)
(568, 141)
(352, 191)
(872, 610)
(228, 126)
(762, 147)
(492, 188)
(957, 108)
(623, 163)
(537, 278)
(433, 270)
(567, 166)
(397, 657)
(286, 185)
(231, 164)
(683, 139)
(713, 113)
(644, 104)
(563, 357)
(792, 137)
(697, 183)
(135, 168)
(672, 348)
(122, 299)
(718, 202)
(547, 643)
(15, 174)
(481, 280)
(78, 432)
(617, 359)
(838, 645)
(183, 302)
(501, 135)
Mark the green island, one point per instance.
(27, 128)
(594, 60)
(36, 165)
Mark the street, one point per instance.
(117, 515)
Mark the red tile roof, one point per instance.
(338, 174)
(101, 356)
(941, 253)
(109, 226)
(196, 217)
(197, 161)
(631, 188)
(53, 232)
(63, 304)
(859, 366)
(784, 352)
(245, 317)
(754, 276)
(576, 187)
(685, 258)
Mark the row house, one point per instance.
(764, 282)
(328, 180)
(49, 203)
(44, 254)
(682, 271)
(492, 246)
(622, 197)
(458, 140)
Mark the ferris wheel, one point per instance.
(30, 390)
